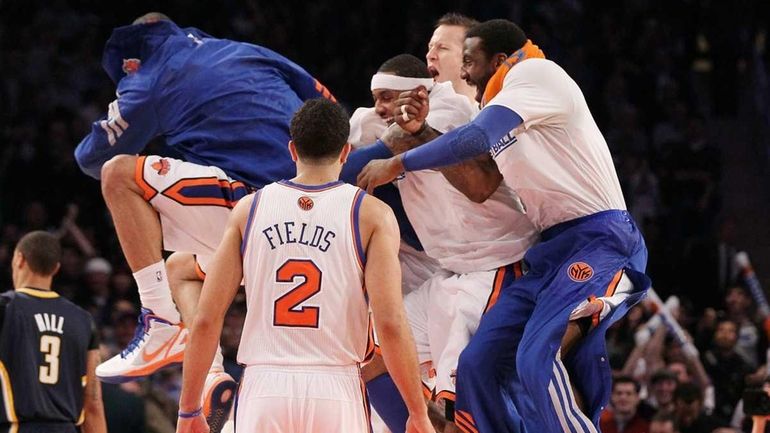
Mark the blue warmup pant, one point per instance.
(511, 377)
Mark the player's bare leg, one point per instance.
(138, 228)
(219, 390)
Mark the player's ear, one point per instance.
(346, 149)
(500, 58)
(18, 259)
(293, 150)
(56, 269)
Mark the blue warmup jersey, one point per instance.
(215, 101)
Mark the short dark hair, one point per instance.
(41, 250)
(406, 65)
(498, 36)
(319, 129)
(456, 19)
(626, 379)
(688, 392)
(663, 417)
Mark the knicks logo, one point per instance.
(305, 203)
(130, 66)
(162, 166)
(580, 272)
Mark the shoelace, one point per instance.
(138, 337)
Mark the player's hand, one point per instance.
(192, 425)
(419, 424)
(411, 109)
(379, 172)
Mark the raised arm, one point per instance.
(461, 144)
(383, 282)
(219, 289)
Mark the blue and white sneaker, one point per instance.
(157, 343)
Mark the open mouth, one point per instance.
(433, 71)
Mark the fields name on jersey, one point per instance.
(507, 140)
(290, 232)
(49, 322)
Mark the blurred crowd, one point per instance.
(656, 76)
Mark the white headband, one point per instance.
(394, 82)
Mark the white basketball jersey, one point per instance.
(303, 271)
(461, 235)
(557, 161)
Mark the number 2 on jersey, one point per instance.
(50, 346)
(287, 311)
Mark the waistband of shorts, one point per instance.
(607, 215)
(343, 370)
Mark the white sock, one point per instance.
(154, 292)
(218, 364)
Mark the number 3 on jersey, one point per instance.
(287, 311)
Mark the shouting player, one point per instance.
(537, 126)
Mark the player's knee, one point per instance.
(180, 267)
(118, 174)
(528, 359)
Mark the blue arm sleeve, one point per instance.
(126, 130)
(465, 142)
(387, 193)
(360, 157)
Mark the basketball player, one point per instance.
(225, 107)
(311, 252)
(49, 349)
(537, 126)
(476, 252)
(445, 52)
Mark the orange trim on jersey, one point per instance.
(446, 395)
(465, 422)
(149, 191)
(38, 293)
(199, 271)
(517, 270)
(174, 192)
(371, 348)
(614, 284)
(496, 287)
(10, 409)
(324, 91)
(427, 392)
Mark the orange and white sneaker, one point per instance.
(218, 397)
(157, 343)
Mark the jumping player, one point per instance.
(225, 107)
(49, 349)
(537, 126)
(311, 251)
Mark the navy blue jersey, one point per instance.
(215, 101)
(44, 343)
